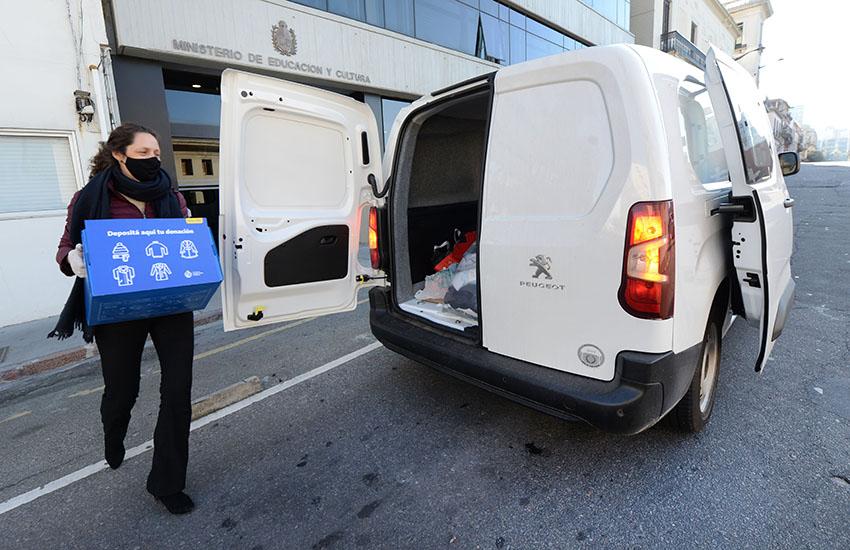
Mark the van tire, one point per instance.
(693, 411)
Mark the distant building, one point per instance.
(787, 133)
(798, 113)
(684, 28)
(749, 17)
(809, 143)
(835, 143)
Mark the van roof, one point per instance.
(655, 62)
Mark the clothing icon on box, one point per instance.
(124, 275)
(160, 271)
(120, 252)
(156, 250)
(188, 250)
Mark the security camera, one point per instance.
(85, 105)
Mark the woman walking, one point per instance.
(127, 182)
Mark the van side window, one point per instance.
(702, 134)
(753, 125)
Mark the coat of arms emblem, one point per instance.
(283, 39)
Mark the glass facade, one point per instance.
(616, 11)
(193, 108)
(389, 110)
(484, 28)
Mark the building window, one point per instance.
(493, 40)
(693, 33)
(398, 16)
(199, 109)
(447, 23)
(37, 172)
(389, 111)
(186, 167)
(207, 166)
(739, 42)
(486, 29)
(538, 47)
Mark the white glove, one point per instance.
(76, 261)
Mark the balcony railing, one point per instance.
(678, 45)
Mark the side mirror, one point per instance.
(790, 163)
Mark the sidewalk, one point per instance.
(25, 349)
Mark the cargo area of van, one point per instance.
(436, 192)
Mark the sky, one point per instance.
(813, 37)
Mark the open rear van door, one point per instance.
(762, 231)
(296, 163)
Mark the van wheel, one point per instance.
(693, 411)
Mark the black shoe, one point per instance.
(113, 452)
(178, 503)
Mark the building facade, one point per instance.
(749, 16)
(809, 143)
(167, 58)
(684, 28)
(835, 143)
(57, 105)
(787, 132)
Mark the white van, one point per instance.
(624, 206)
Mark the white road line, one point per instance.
(16, 415)
(238, 343)
(86, 392)
(64, 481)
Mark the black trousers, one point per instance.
(120, 346)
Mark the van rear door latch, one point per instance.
(741, 208)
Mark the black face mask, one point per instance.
(143, 169)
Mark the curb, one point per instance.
(65, 365)
(225, 396)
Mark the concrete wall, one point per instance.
(753, 19)
(714, 25)
(646, 22)
(41, 58)
(331, 48)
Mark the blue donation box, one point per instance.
(139, 268)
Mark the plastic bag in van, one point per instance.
(436, 286)
(463, 293)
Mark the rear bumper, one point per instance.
(645, 385)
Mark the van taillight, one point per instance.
(649, 265)
(374, 254)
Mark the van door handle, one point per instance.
(789, 202)
(728, 208)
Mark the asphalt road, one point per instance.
(382, 452)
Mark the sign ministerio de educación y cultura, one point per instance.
(284, 41)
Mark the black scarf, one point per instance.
(93, 204)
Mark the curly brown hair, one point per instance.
(118, 140)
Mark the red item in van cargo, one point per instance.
(457, 252)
